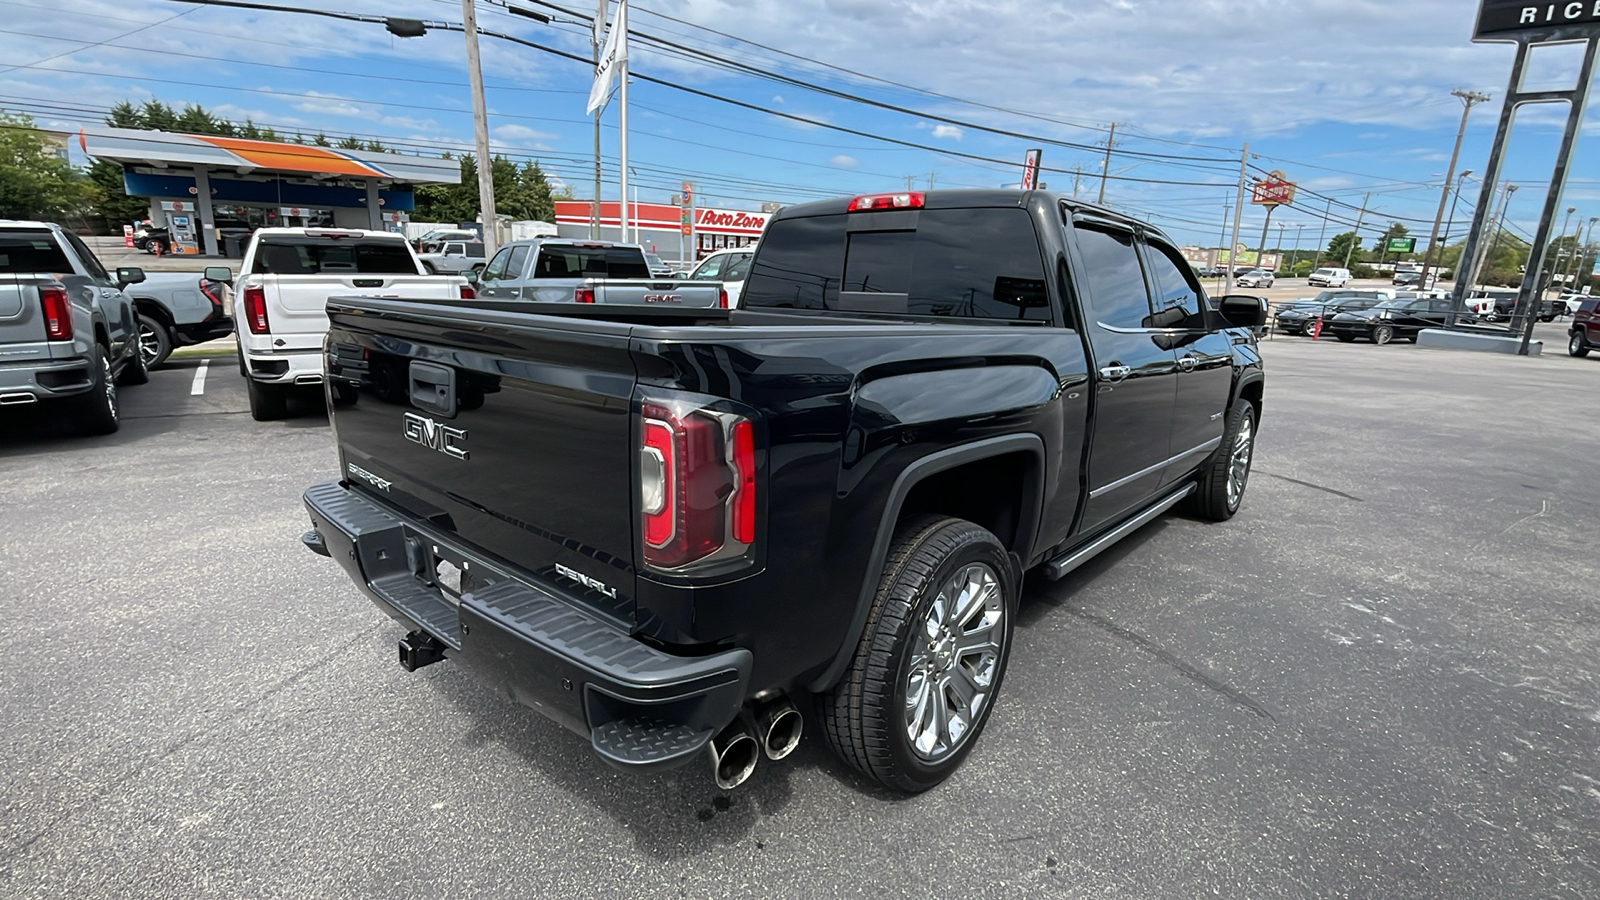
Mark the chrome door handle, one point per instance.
(1115, 373)
(1187, 363)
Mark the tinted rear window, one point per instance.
(314, 256)
(27, 252)
(569, 261)
(956, 263)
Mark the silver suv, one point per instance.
(68, 330)
(1254, 278)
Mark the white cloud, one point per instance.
(522, 136)
(947, 131)
(844, 162)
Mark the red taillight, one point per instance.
(904, 200)
(255, 309)
(583, 295)
(467, 293)
(57, 313)
(744, 488)
(697, 480)
(208, 288)
(722, 297)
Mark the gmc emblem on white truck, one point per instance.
(443, 438)
(662, 298)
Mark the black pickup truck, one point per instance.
(660, 526)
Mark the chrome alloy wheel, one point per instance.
(149, 344)
(954, 657)
(111, 385)
(1239, 464)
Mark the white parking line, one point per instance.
(200, 379)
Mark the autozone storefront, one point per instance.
(660, 227)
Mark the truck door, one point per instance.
(1205, 360)
(1136, 383)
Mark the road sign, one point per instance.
(1402, 245)
(1274, 190)
(1030, 170)
(1507, 20)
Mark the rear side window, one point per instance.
(573, 261)
(954, 263)
(1117, 295)
(23, 252)
(315, 256)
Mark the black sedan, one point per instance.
(1304, 319)
(1402, 317)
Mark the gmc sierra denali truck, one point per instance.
(659, 526)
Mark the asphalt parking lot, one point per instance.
(1382, 679)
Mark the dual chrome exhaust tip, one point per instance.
(773, 731)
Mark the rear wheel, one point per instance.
(155, 341)
(98, 410)
(1382, 334)
(267, 401)
(1578, 345)
(923, 680)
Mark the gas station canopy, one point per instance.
(360, 188)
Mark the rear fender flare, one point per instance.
(933, 464)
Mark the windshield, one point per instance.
(315, 256)
(655, 261)
(1324, 271)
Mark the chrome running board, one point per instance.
(1060, 567)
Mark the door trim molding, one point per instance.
(1207, 447)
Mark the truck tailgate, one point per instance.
(21, 320)
(686, 294)
(297, 304)
(516, 439)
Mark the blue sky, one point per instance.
(1346, 97)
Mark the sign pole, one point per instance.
(1468, 98)
(1238, 213)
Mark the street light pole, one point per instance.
(1487, 260)
(1322, 233)
(480, 131)
(1350, 248)
(1468, 100)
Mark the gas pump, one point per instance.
(182, 227)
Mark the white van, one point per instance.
(1333, 278)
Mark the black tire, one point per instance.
(98, 411)
(268, 402)
(134, 371)
(864, 716)
(155, 341)
(1578, 345)
(1382, 334)
(243, 372)
(1213, 499)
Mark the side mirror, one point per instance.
(219, 273)
(1244, 311)
(476, 272)
(127, 275)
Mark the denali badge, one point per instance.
(662, 298)
(443, 438)
(586, 581)
(381, 484)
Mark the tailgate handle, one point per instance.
(433, 388)
(367, 282)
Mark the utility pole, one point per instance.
(1105, 172)
(1279, 248)
(596, 37)
(1468, 100)
(1238, 210)
(1587, 239)
(911, 182)
(1351, 247)
(932, 177)
(1450, 222)
(1326, 214)
(480, 131)
(1499, 225)
(1077, 176)
(1222, 238)
(1296, 259)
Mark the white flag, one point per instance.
(615, 51)
(600, 10)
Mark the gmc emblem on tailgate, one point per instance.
(662, 298)
(425, 431)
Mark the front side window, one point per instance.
(496, 269)
(710, 270)
(90, 263)
(1175, 290)
(518, 262)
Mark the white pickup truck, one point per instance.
(280, 300)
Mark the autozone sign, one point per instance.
(1503, 19)
(730, 220)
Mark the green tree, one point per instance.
(1395, 231)
(321, 140)
(349, 143)
(35, 182)
(541, 200)
(1348, 242)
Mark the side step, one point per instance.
(1060, 567)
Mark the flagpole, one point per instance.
(622, 54)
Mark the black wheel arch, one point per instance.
(1024, 514)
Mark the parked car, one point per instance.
(731, 267)
(1329, 277)
(1584, 333)
(1254, 278)
(1571, 300)
(1301, 316)
(1413, 279)
(431, 241)
(658, 266)
(659, 528)
(453, 258)
(68, 330)
(176, 309)
(1397, 319)
(283, 289)
(559, 270)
